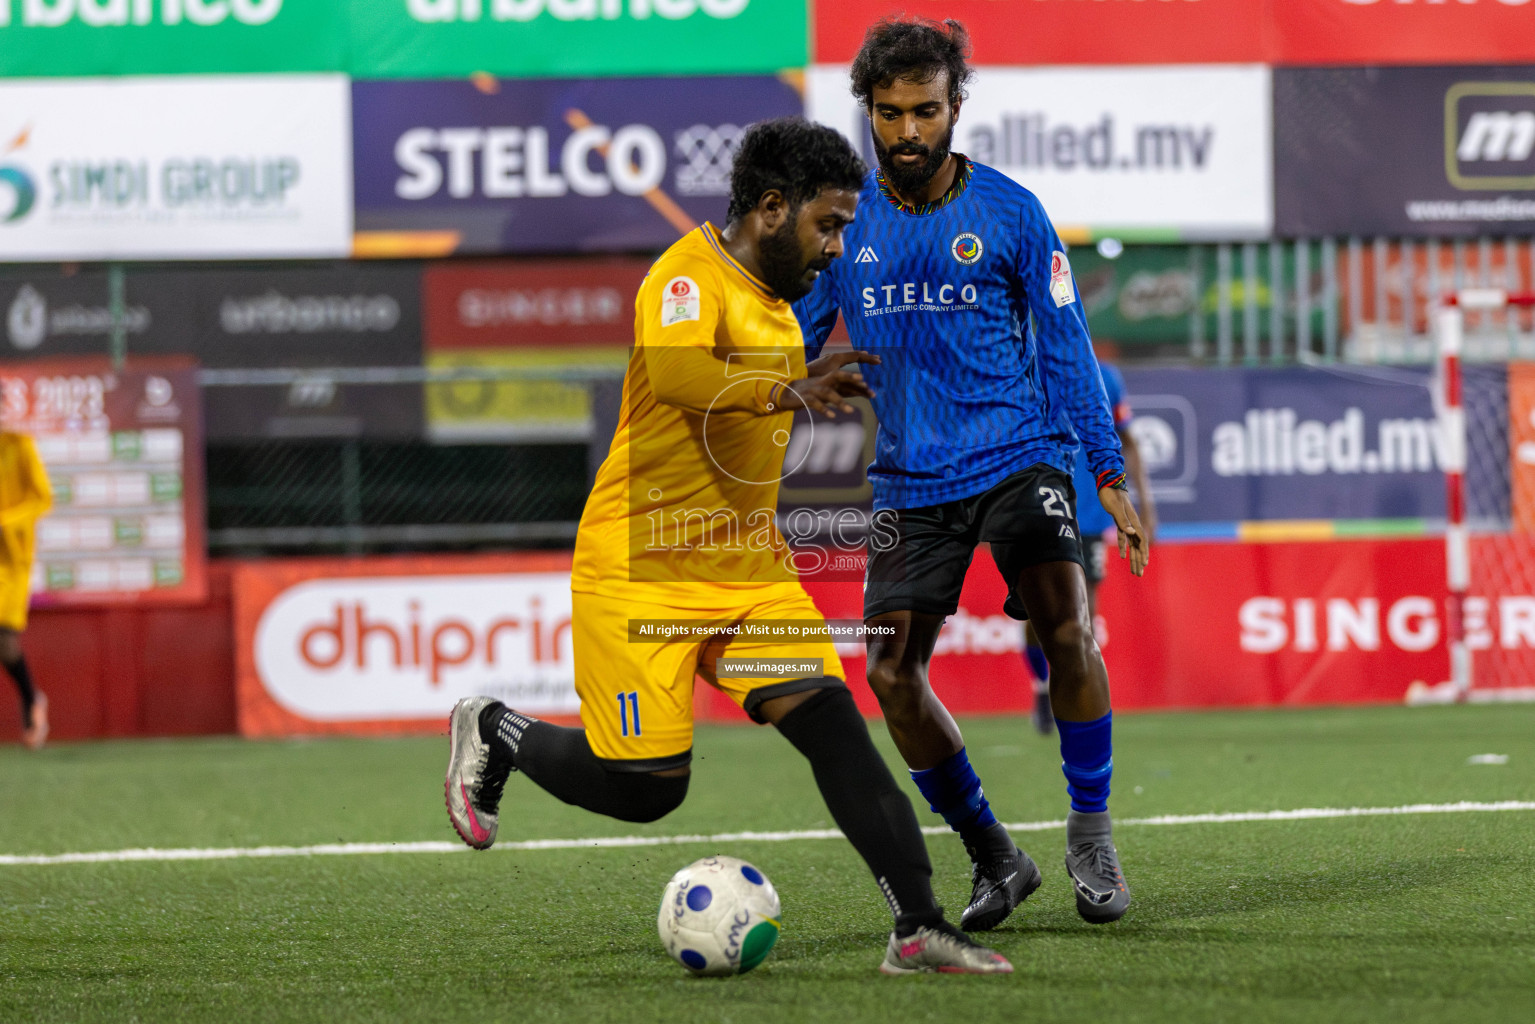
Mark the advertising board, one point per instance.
(320, 315)
(1067, 31)
(123, 451)
(578, 38)
(1152, 153)
(1401, 31)
(81, 38)
(549, 315)
(1405, 151)
(549, 166)
(183, 167)
(1207, 31)
(389, 644)
(1312, 443)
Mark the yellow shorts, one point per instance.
(15, 595)
(637, 693)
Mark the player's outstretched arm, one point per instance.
(828, 386)
(1135, 469)
(1134, 542)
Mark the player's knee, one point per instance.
(895, 688)
(645, 797)
(1071, 644)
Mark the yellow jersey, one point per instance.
(683, 509)
(25, 495)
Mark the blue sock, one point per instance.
(1035, 656)
(953, 790)
(1087, 759)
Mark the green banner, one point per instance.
(74, 38)
(575, 38)
(1148, 294)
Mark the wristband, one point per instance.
(1114, 478)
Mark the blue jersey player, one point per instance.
(987, 385)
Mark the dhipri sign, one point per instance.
(1158, 149)
(552, 166)
(245, 167)
(391, 645)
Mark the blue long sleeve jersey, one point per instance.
(987, 363)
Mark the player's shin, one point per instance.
(1087, 759)
(560, 761)
(866, 803)
(953, 790)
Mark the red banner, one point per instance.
(1401, 31)
(388, 644)
(1207, 31)
(549, 304)
(1065, 31)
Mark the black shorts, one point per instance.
(1095, 551)
(918, 557)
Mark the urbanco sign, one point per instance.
(184, 167)
(57, 38)
(549, 38)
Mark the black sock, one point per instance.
(865, 802)
(561, 761)
(23, 676)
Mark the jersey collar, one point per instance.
(711, 233)
(956, 189)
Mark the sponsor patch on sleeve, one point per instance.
(1062, 290)
(680, 301)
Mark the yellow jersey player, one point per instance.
(680, 570)
(24, 498)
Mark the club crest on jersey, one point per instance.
(680, 301)
(966, 248)
(1061, 289)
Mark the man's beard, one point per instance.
(912, 179)
(783, 262)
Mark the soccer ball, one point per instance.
(719, 916)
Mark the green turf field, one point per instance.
(1404, 918)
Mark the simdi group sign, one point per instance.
(401, 38)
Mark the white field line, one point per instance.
(609, 842)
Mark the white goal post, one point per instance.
(1484, 577)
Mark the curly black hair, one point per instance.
(914, 48)
(794, 156)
